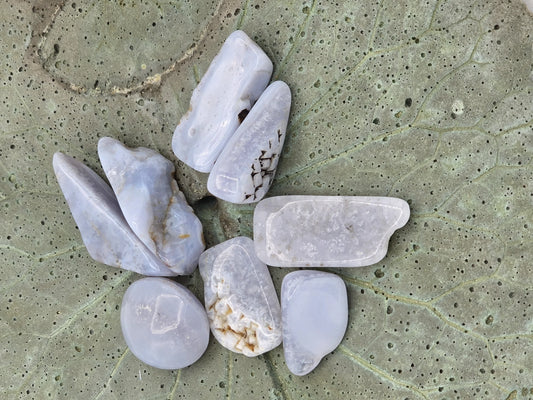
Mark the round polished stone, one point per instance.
(163, 323)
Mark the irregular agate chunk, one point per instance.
(315, 316)
(326, 231)
(104, 230)
(152, 203)
(233, 82)
(240, 299)
(245, 169)
(163, 323)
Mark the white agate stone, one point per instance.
(326, 231)
(245, 169)
(240, 299)
(314, 308)
(104, 231)
(163, 323)
(233, 82)
(152, 203)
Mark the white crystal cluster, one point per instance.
(235, 130)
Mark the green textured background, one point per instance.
(430, 101)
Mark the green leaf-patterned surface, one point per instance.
(430, 101)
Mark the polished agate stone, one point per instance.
(226, 93)
(163, 323)
(314, 308)
(240, 299)
(152, 203)
(326, 231)
(245, 169)
(103, 228)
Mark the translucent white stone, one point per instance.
(163, 323)
(233, 82)
(326, 231)
(314, 308)
(245, 169)
(240, 299)
(152, 203)
(104, 230)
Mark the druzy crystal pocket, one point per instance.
(240, 299)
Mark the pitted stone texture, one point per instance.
(326, 231)
(233, 82)
(245, 169)
(163, 323)
(152, 203)
(315, 316)
(240, 298)
(104, 230)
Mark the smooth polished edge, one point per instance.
(240, 90)
(247, 165)
(267, 207)
(76, 179)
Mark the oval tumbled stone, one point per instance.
(163, 323)
(314, 307)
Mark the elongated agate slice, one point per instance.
(152, 203)
(245, 169)
(163, 323)
(104, 230)
(326, 231)
(241, 302)
(315, 316)
(237, 76)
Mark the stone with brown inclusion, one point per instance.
(241, 302)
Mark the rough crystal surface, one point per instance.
(245, 169)
(233, 82)
(152, 203)
(104, 230)
(240, 298)
(315, 316)
(163, 323)
(326, 231)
